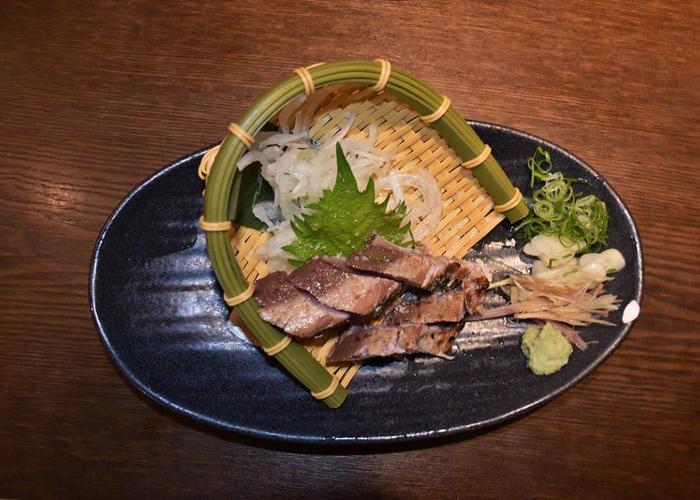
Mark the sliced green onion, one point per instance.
(558, 209)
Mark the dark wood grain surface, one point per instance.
(94, 96)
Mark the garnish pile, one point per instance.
(344, 219)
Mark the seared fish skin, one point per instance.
(436, 307)
(362, 342)
(398, 301)
(294, 311)
(474, 284)
(413, 267)
(340, 288)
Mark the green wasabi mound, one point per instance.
(547, 350)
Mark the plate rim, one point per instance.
(311, 439)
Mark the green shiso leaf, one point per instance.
(344, 219)
(253, 188)
(249, 187)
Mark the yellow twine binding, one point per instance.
(437, 114)
(475, 162)
(383, 76)
(244, 136)
(504, 207)
(223, 225)
(206, 162)
(241, 297)
(328, 391)
(306, 79)
(278, 347)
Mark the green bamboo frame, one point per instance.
(223, 185)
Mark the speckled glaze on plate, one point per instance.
(160, 314)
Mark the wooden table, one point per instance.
(96, 96)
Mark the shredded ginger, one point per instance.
(535, 298)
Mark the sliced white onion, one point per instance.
(312, 105)
(298, 125)
(282, 139)
(372, 133)
(550, 249)
(425, 212)
(271, 251)
(267, 213)
(349, 120)
(251, 157)
(288, 111)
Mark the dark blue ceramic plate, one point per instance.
(159, 312)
